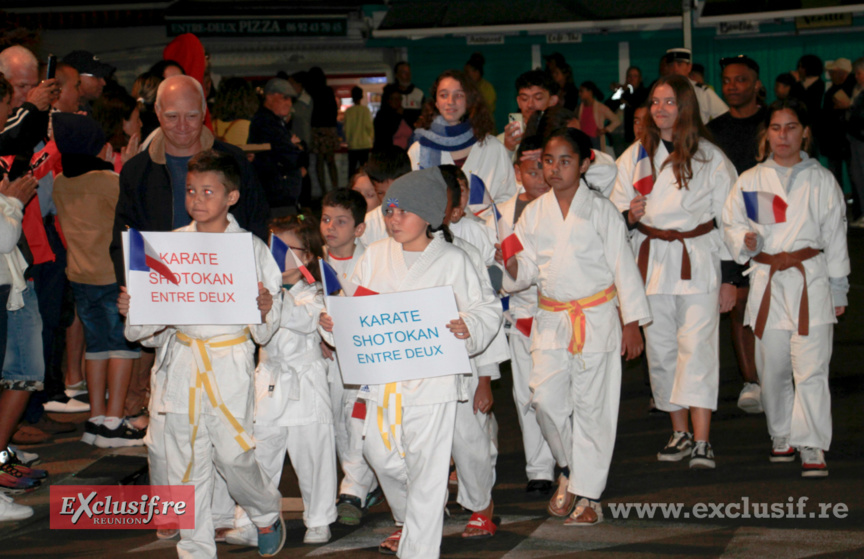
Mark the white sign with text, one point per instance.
(397, 336)
(191, 278)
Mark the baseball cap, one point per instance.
(278, 85)
(88, 64)
(840, 64)
(740, 59)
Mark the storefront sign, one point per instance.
(260, 27)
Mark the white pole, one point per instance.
(687, 15)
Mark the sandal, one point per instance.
(586, 513)
(394, 537)
(562, 502)
(482, 523)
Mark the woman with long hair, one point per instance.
(671, 186)
(799, 283)
(456, 129)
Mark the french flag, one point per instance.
(329, 278)
(643, 179)
(478, 197)
(364, 291)
(144, 258)
(522, 324)
(765, 208)
(510, 243)
(281, 252)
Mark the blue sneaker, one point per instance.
(271, 539)
(374, 497)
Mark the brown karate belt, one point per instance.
(669, 236)
(779, 262)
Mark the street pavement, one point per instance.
(707, 499)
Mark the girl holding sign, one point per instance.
(293, 411)
(410, 424)
(671, 186)
(787, 216)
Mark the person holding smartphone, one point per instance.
(536, 91)
(31, 101)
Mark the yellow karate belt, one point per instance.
(575, 310)
(391, 410)
(204, 381)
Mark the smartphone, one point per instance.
(516, 117)
(51, 70)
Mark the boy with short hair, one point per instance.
(384, 167)
(220, 435)
(342, 224)
(536, 91)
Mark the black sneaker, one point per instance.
(91, 430)
(123, 435)
(679, 446)
(349, 510)
(702, 457)
(374, 497)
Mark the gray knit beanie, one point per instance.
(420, 192)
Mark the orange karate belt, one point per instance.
(669, 236)
(779, 262)
(575, 310)
(390, 418)
(204, 382)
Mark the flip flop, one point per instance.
(394, 537)
(483, 523)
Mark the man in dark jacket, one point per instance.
(153, 183)
(281, 169)
(832, 139)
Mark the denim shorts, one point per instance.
(24, 363)
(103, 325)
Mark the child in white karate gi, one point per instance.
(293, 412)
(200, 435)
(341, 226)
(412, 464)
(788, 217)
(573, 232)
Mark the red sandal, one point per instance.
(394, 537)
(482, 523)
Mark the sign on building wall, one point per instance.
(485, 39)
(559, 38)
(738, 28)
(336, 26)
(824, 20)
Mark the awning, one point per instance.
(725, 11)
(417, 19)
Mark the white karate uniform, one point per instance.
(488, 160)
(415, 483)
(348, 412)
(475, 440)
(710, 104)
(293, 412)
(233, 367)
(570, 258)
(539, 462)
(479, 235)
(682, 342)
(797, 405)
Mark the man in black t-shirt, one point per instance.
(737, 134)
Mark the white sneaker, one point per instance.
(10, 511)
(318, 534)
(26, 458)
(72, 405)
(750, 399)
(781, 451)
(813, 462)
(244, 535)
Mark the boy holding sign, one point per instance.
(410, 424)
(208, 388)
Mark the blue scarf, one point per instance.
(441, 137)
